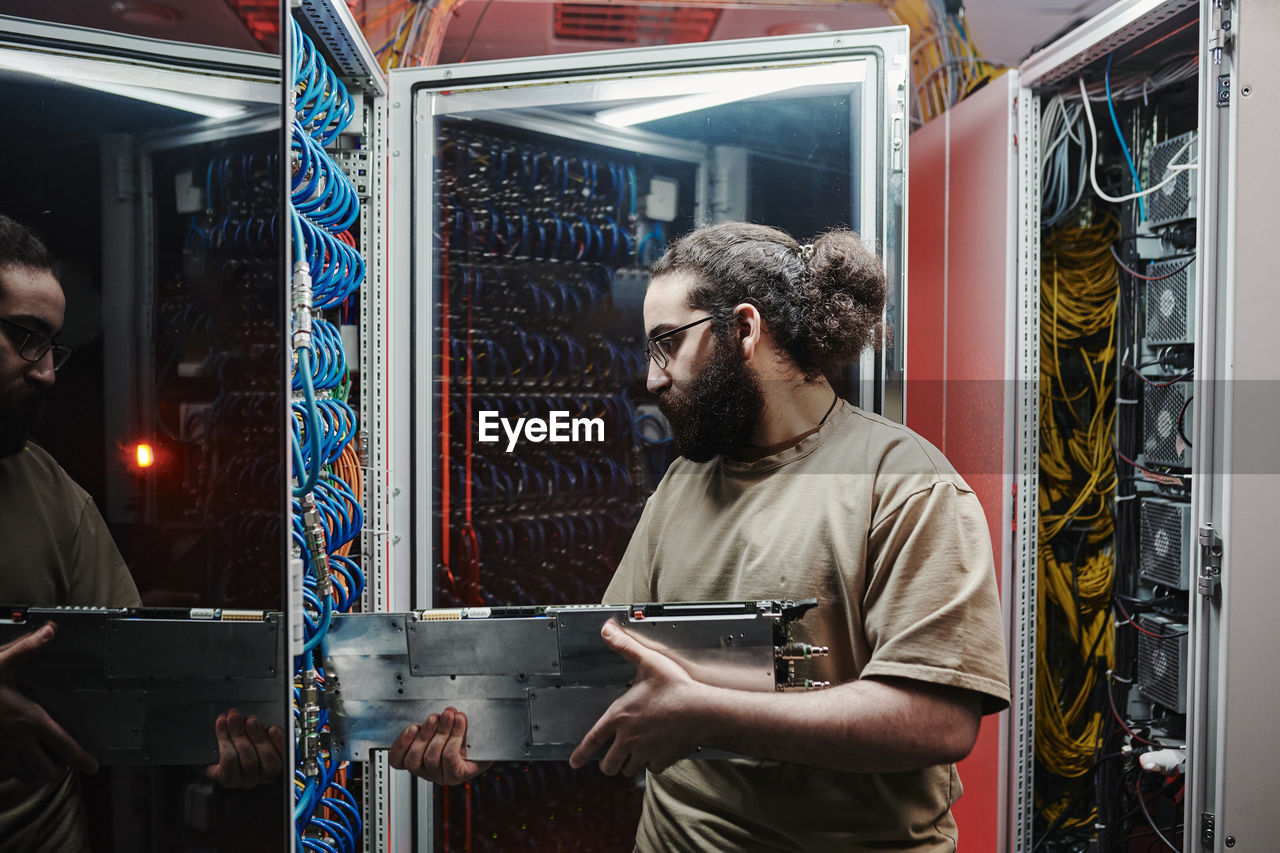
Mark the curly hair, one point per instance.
(823, 302)
(19, 247)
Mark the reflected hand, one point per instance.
(437, 750)
(33, 748)
(249, 754)
(652, 725)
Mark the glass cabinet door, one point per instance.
(152, 171)
(530, 196)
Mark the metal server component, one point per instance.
(1170, 303)
(800, 651)
(145, 686)
(532, 681)
(1162, 661)
(309, 723)
(1167, 407)
(1167, 545)
(1177, 200)
(803, 685)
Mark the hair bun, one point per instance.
(822, 301)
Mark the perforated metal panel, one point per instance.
(1170, 308)
(1177, 199)
(1162, 661)
(1163, 408)
(1165, 556)
(1119, 25)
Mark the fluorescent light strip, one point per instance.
(108, 80)
(735, 86)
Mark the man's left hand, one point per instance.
(249, 753)
(650, 725)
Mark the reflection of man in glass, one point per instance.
(55, 550)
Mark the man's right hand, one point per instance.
(437, 750)
(33, 748)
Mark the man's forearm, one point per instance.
(867, 726)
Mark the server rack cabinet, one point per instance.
(1198, 539)
(529, 196)
(1151, 46)
(352, 806)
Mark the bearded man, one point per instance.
(786, 491)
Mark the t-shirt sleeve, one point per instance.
(931, 609)
(630, 583)
(97, 573)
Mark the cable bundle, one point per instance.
(324, 108)
(1068, 121)
(1075, 639)
(329, 359)
(416, 36)
(327, 510)
(946, 63)
(323, 804)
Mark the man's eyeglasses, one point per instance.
(658, 349)
(33, 344)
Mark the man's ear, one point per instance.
(749, 329)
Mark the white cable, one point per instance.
(1072, 121)
(1055, 160)
(1093, 160)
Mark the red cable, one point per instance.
(1114, 710)
(467, 837)
(445, 356)
(1137, 274)
(1136, 626)
(444, 818)
(1181, 478)
(473, 562)
(1174, 381)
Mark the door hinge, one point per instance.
(1207, 822)
(897, 143)
(1220, 32)
(1210, 561)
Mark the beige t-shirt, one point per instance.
(55, 550)
(870, 519)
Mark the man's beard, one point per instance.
(19, 414)
(718, 411)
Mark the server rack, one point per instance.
(1146, 402)
(1186, 317)
(351, 805)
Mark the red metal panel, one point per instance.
(979, 396)
(960, 299)
(926, 285)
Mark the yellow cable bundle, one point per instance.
(946, 62)
(1075, 640)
